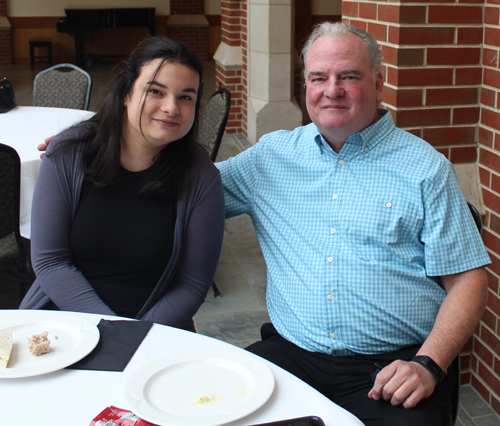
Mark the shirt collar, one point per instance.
(367, 138)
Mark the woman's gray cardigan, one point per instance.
(184, 284)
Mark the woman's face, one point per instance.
(169, 106)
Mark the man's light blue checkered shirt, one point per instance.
(351, 239)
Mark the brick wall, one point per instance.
(187, 7)
(234, 33)
(443, 85)
(5, 39)
(432, 65)
(193, 35)
(196, 38)
(485, 362)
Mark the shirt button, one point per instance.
(333, 230)
(330, 259)
(335, 196)
(366, 149)
(389, 205)
(334, 335)
(341, 162)
(329, 297)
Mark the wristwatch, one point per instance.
(428, 363)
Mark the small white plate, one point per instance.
(202, 387)
(71, 338)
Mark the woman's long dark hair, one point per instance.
(101, 150)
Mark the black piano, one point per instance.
(80, 21)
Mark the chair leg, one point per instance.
(217, 293)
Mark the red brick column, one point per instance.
(234, 34)
(432, 57)
(187, 7)
(486, 356)
(193, 34)
(5, 38)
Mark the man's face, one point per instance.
(341, 90)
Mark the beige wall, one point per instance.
(212, 7)
(323, 7)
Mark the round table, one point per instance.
(77, 396)
(23, 128)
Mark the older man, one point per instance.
(374, 262)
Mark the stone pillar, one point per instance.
(271, 105)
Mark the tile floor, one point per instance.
(241, 275)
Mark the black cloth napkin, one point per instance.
(117, 345)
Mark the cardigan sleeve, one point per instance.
(54, 200)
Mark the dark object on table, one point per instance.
(62, 86)
(80, 21)
(117, 345)
(13, 257)
(299, 421)
(7, 97)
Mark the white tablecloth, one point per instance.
(23, 128)
(75, 397)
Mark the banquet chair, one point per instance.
(14, 260)
(211, 128)
(62, 86)
(455, 365)
(213, 121)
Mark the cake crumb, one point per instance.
(39, 344)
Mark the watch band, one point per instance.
(428, 363)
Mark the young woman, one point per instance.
(128, 211)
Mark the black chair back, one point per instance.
(211, 128)
(13, 257)
(213, 121)
(477, 217)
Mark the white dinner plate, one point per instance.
(71, 338)
(202, 387)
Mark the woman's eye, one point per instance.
(154, 91)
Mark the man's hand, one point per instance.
(43, 146)
(403, 383)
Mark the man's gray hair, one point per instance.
(342, 29)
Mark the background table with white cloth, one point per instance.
(23, 128)
(75, 397)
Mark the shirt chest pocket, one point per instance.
(382, 229)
